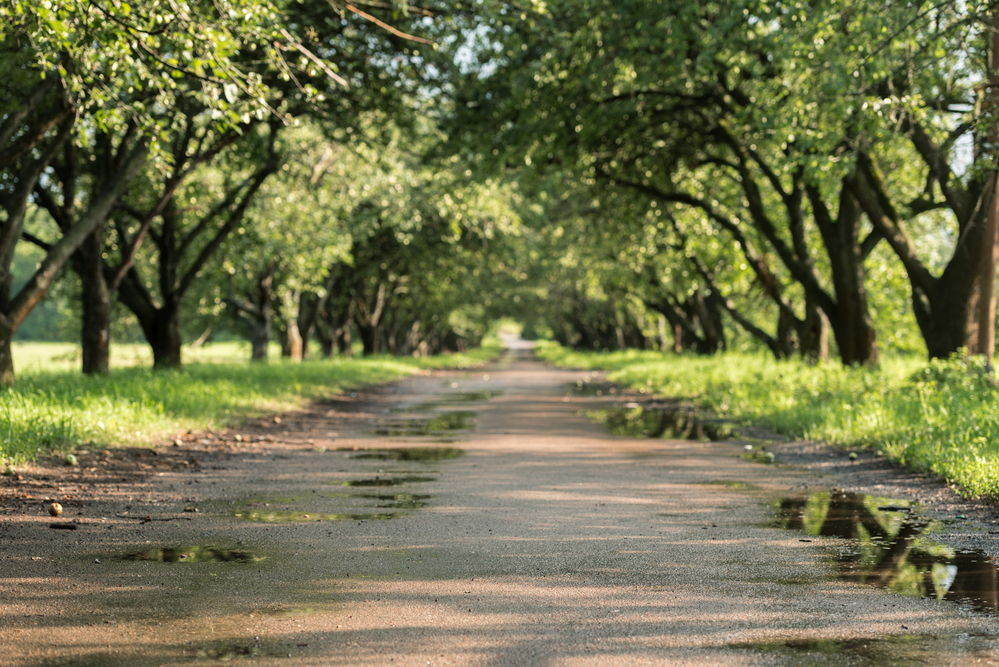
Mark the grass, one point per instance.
(31, 357)
(51, 408)
(940, 417)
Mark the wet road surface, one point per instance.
(471, 518)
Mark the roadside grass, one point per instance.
(37, 356)
(53, 409)
(939, 417)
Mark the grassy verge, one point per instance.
(56, 409)
(940, 417)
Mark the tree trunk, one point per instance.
(6, 360)
(990, 243)
(95, 335)
(260, 338)
(294, 340)
(813, 335)
(369, 338)
(344, 341)
(851, 320)
(163, 334)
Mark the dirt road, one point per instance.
(517, 532)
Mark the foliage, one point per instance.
(940, 417)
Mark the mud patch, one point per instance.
(196, 554)
(891, 548)
(655, 421)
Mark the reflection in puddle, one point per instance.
(466, 397)
(419, 454)
(587, 389)
(250, 649)
(892, 549)
(897, 650)
(278, 516)
(384, 481)
(260, 509)
(193, 554)
(651, 421)
(410, 501)
(759, 456)
(436, 425)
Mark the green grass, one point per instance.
(50, 408)
(32, 357)
(940, 417)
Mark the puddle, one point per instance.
(650, 421)
(436, 425)
(897, 650)
(759, 456)
(410, 501)
(192, 554)
(384, 481)
(289, 516)
(892, 549)
(259, 509)
(419, 454)
(467, 397)
(252, 648)
(450, 399)
(587, 389)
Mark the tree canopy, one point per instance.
(805, 178)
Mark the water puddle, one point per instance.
(892, 548)
(467, 397)
(445, 400)
(590, 389)
(253, 648)
(194, 554)
(760, 455)
(384, 481)
(409, 501)
(293, 516)
(418, 454)
(654, 421)
(352, 506)
(438, 425)
(897, 650)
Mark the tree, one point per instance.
(107, 72)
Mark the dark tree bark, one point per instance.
(182, 254)
(368, 318)
(96, 301)
(946, 307)
(164, 336)
(256, 312)
(128, 159)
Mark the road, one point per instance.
(546, 542)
